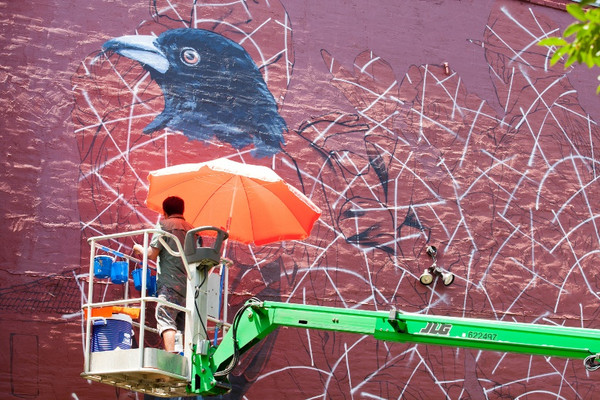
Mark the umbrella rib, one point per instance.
(243, 187)
(212, 194)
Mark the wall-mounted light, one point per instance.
(428, 275)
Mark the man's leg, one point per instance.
(165, 320)
(168, 319)
(169, 339)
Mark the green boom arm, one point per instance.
(257, 319)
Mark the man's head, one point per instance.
(173, 205)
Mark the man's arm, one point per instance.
(152, 251)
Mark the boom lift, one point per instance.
(203, 366)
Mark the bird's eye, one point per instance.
(190, 56)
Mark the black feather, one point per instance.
(211, 86)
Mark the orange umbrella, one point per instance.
(251, 202)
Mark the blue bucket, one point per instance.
(112, 333)
(119, 272)
(102, 266)
(150, 281)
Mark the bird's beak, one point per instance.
(141, 48)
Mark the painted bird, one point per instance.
(211, 87)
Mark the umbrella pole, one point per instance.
(225, 297)
(226, 268)
(221, 284)
(224, 289)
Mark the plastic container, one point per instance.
(119, 272)
(112, 333)
(102, 266)
(136, 274)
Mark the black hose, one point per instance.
(196, 294)
(236, 347)
(590, 362)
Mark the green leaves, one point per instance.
(580, 42)
(577, 11)
(553, 41)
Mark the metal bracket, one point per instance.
(398, 325)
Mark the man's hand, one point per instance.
(152, 251)
(138, 249)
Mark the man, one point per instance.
(172, 277)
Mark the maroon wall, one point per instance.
(492, 160)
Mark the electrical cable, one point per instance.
(590, 362)
(236, 347)
(196, 294)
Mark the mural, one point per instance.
(211, 88)
(135, 116)
(503, 187)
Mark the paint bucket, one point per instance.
(119, 272)
(112, 333)
(150, 281)
(102, 266)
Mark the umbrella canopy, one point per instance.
(251, 202)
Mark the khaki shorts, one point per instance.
(168, 317)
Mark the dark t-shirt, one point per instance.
(172, 271)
